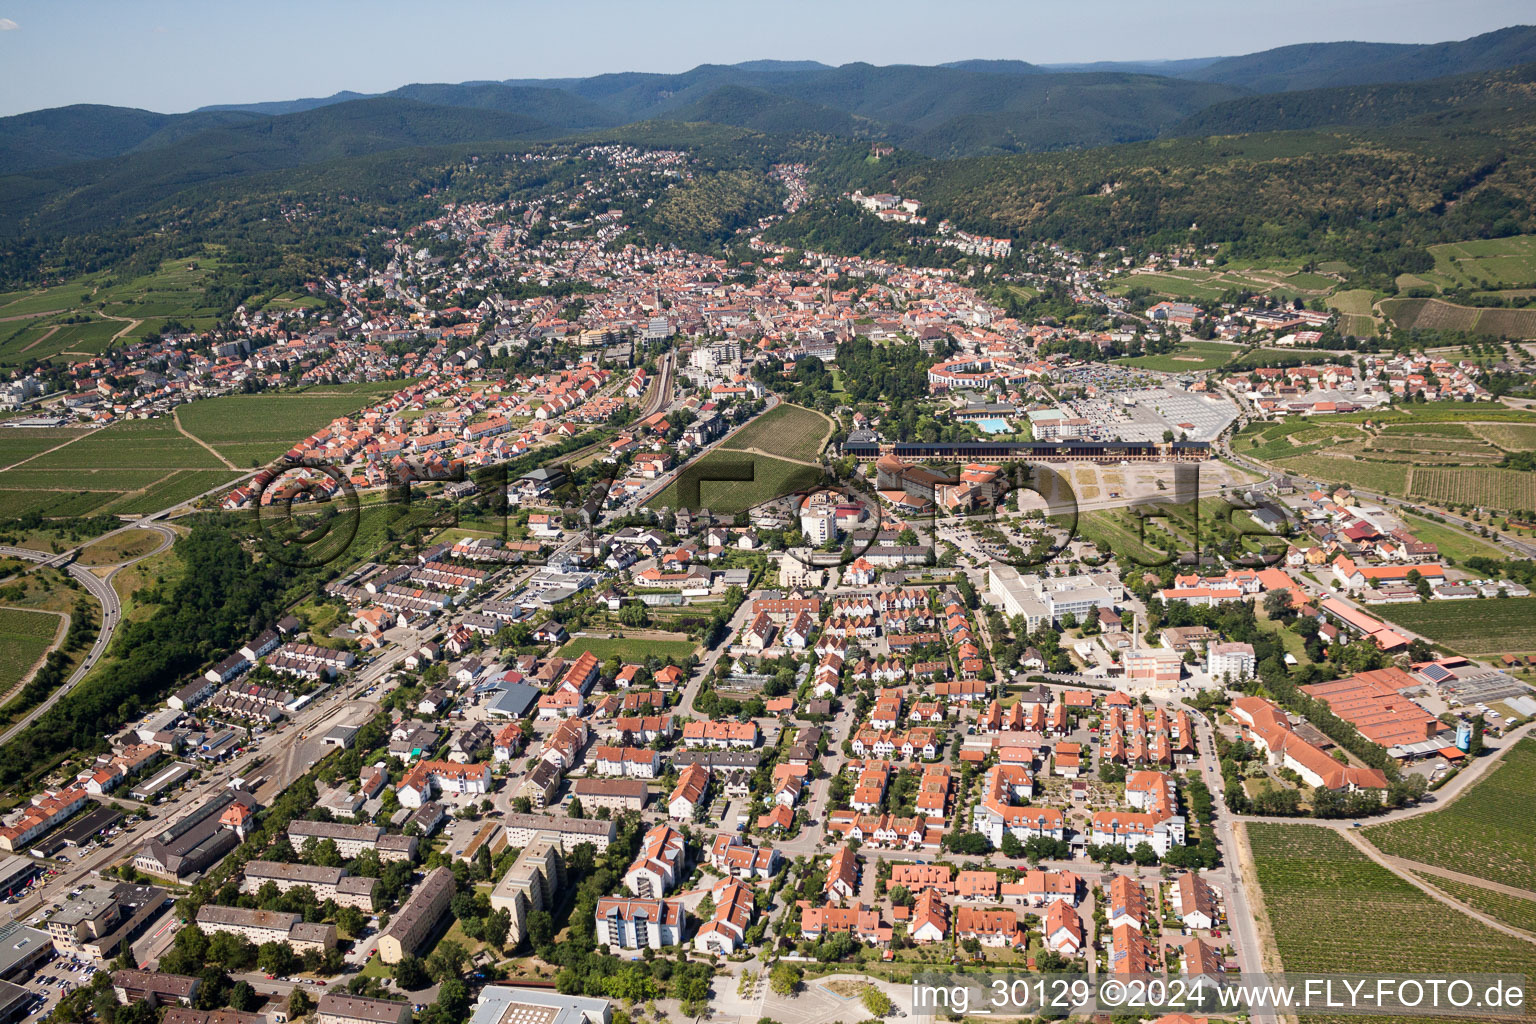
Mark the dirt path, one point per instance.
(176, 418)
(62, 444)
(771, 455)
(58, 638)
(132, 326)
(50, 332)
(1269, 950)
(28, 316)
(1377, 857)
(1457, 876)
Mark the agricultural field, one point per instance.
(786, 430)
(1476, 627)
(250, 430)
(1280, 280)
(1314, 880)
(1485, 486)
(24, 638)
(1357, 311)
(1185, 357)
(772, 478)
(1437, 314)
(1384, 477)
(1488, 832)
(1489, 263)
(1512, 437)
(1501, 906)
(134, 466)
(629, 649)
(19, 444)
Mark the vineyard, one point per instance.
(1488, 832)
(1512, 910)
(1438, 315)
(1513, 437)
(1482, 485)
(1333, 910)
(786, 430)
(1474, 627)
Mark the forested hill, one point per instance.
(1366, 106)
(92, 195)
(1321, 65)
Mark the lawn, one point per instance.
(629, 649)
(786, 430)
(1185, 357)
(1333, 910)
(1489, 832)
(24, 637)
(733, 481)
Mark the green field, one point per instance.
(1512, 437)
(24, 637)
(254, 429)
(1453, 543)
(1357, 313)
(1489, 832)
(1475, 627)
(786, 430)
(1333, 910)
(629, 649)
(772, 478)
(1373, 476)
(1186, 356)
(1511, 910)
(1497, 263)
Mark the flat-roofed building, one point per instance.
(417, 920)
(22, 949)
(500, 1004)
(530, 884)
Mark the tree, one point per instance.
(541, 928)
(350, 920)
(785, 978)
(411, 973)
(299, 1003)
(447, 961)
(244, 998)
(1011, 846)
(876, 1001)
(575, 810)
(275, 958)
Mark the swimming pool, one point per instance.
(994, 426)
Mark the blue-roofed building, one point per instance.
(516, 701)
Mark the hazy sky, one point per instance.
(174, 55)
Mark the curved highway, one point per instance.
(100, 587)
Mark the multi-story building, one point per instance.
(326, 883)
(336, 1008)
(419, 918)
(350, 840)
(633, 923)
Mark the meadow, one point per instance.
(1455, 545)
(786, 430)
(628, 649)
(1320, 892)
(1185, 357)
(771, 478)
(1488, 832)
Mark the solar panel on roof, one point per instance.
(1436, 673)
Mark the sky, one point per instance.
(176, 55)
